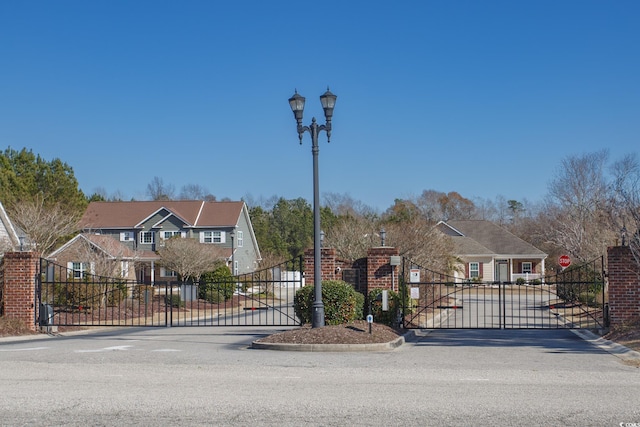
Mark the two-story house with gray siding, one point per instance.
(142, 227)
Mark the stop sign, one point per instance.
(564, 261)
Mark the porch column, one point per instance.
(542, 271)
(153, 272)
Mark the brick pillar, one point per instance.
(20, 269)
(380, 274)
(327, 265)
(624, 286)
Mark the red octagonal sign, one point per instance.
(564, 261)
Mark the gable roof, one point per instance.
(8, 235)
(194, 213)
(484, 238)
(106, 244)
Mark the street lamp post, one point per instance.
(328, 101)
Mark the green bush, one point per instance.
(520, 281)
(217, 286)
(342, 303)
(389, 317)
(174, 301)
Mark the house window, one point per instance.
(146, 237)
(126, 236)
(124, 269)
(474, 270)
(527, 267)
(170, 234)
(78, 269)
(240, 239)
(167, 273)
(235, 268)
(211, 237)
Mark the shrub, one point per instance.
(389, 317)
(342, 303)
(520, 281)
(174, 301)
(217, 286)
(143, 292)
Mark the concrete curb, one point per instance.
(611, 347)
(386, 346)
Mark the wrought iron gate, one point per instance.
(69, 297)
(573, 298)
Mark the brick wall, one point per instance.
(20, 269)
(380, 274)
(624, 286)
(374, 270)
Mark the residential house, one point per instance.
(9, 236)
(140, 228)
(97, 254)
(492, 254)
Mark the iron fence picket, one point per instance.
(575, 298)
(84, 300)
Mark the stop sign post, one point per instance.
(564, 261)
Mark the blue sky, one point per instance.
(480, 97)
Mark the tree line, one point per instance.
(591, 203)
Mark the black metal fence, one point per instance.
(574, 298)
(67, 297)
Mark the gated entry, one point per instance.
(574, 298)
(74, 297)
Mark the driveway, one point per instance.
(210, 376)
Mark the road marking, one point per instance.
(165, 350)
(114, 348)
(25, 349)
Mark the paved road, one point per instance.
(210, 376)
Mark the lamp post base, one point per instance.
(317, 319)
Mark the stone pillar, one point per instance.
(20, 269)
(380, 273)
(624, 286)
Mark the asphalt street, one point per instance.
(211, 376)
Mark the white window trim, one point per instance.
(211, 235)
(530, 264)
(240, 238)
(163, 234)
(126, 236)
(84, 268)
(124, 268)
(476, 270)
(165, 272)
(147, 233)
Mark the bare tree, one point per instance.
(188, 257)
(576, 216)
(157, 190)
(195, 192)
(351, 237)
(626, 201)
(44, 225)
(345, 205)
(419, 241)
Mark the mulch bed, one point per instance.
(356, 332)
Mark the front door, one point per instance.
(502, 271)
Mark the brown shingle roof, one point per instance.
(479, 237)
(195, 213)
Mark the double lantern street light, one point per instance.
(328, 101)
